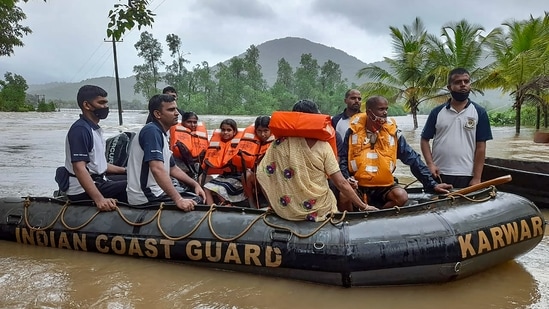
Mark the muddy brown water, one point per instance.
(31, 147)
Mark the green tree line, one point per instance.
(236, 87)
(417, 72)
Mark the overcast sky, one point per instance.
(67, 43)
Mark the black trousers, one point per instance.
(110, 189)
(457, 181)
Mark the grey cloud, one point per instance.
(235, 8)
(375, 17)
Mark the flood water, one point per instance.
(32, 146)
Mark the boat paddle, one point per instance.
(482, 185)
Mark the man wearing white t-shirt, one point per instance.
(459, 129)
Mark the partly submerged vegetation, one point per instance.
(14, 99)
(417, 73)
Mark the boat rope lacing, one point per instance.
(491, 195)
(27, 204)
(332, 218)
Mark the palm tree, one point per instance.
(520, 54)
(407, 77)
(460, 45)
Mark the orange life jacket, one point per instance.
(372, 167)
(317, 126)
(219, 154)
(250, 149)
(186, 144)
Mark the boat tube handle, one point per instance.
(14, 219)
(281, 235)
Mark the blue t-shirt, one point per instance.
(84, 142)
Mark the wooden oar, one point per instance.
(482, 185)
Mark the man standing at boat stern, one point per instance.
(85, 158)
(151, 164)
(459, 129)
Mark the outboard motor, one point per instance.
(118, 147)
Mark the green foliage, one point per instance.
(12, 93)
(409, 78)
(46, 107)
(502, 118)
(177, 74)
(417, 72)
(122, 18)
(508, 117)
(11, 31)
(520, 66)
(125, 16)
(396, 110)
(306, 77)
(147, 75)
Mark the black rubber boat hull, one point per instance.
(434, 241)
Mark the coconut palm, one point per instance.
(460, 45)
(406, 78)
(520, 54)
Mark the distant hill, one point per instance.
(67, 91)
(290, 48)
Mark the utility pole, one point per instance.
(117, 81)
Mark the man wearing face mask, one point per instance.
(372, 145)
(459, 129)
(85, 158)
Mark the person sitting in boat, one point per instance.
(255, 141)
(83, 176)
(371, 147)
(226, 187)
(189, 141)
(151, 164)
(293, 173)
(169, 90)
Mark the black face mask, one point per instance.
(459, 96)
(101, 113)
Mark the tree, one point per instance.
(230, 87)
(409, 78)
(283, 88)
(125, 16)
(144, 81)
(12, 93)
(306, 77)
(254, 85)
(520, 53)
(122, 18)
(11, 31)
(177, 74)
(330, 76)
(204, 87)
(460, 45)
(147, 75)
(254, 77)
(331, 87)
